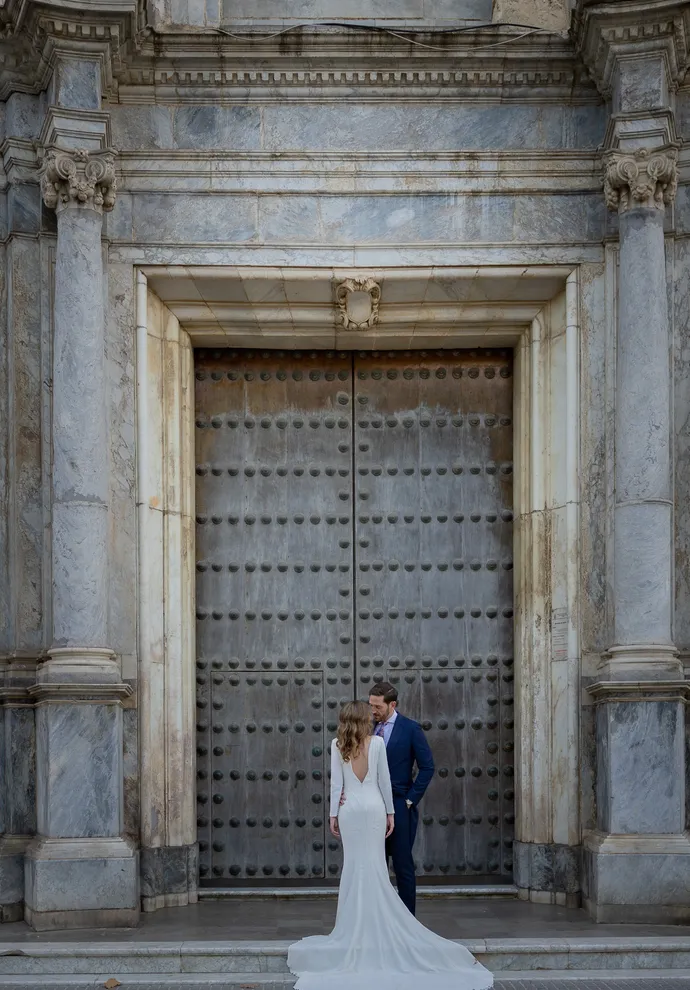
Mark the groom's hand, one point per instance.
(342, 799)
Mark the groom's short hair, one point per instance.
(384, 690)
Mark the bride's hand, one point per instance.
(390, 824)
(333, 822)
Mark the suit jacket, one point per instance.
(407, 745)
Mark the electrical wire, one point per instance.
(478, 48)
(531, 29)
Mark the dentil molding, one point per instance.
(79, 178)
(641, 178)
(605, 31)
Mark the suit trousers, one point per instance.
(399, 850)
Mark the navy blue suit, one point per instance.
(407, 745)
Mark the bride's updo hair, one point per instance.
(353, 728)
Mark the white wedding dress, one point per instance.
(376, 942)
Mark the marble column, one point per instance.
(640, 186)
(80, 871)
(637, 861)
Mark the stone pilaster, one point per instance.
(80, 871)
(637, 861)
(18, 774)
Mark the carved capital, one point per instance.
(642, 178)
(79, 179)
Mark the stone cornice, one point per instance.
(607, 31)
(320, 61)
(337, 62)
(33, 33)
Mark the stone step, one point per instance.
(536, 979)
(424, 892)
(265, 962)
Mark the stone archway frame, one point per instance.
(543, 326)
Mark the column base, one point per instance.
(638, 879)
(548, 873)
(169, 877)
(81, 883)
(73, 664)
(12, 852)
(644, 662)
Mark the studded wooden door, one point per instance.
(433, 564)
(353, 522)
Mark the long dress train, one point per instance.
(376, 941)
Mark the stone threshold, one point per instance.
(289, 893)
(263, 964)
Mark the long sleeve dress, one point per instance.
(376, 939)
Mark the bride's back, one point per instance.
(359, 761)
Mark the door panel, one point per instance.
(294, 589)
(433, 566)
(274, 604)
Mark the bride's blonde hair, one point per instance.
(354, 726)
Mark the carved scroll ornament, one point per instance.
(79, 178)
(642, 178)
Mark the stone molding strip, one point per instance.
(15, 697)
(171, 84)
(96, 694)
(618, 691)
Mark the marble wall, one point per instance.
(409, 181)
(168, 14)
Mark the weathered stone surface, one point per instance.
(637, 886)
(640, 749)
(80, 749)
(550, 15)
(642, 564)
(80, 465)
(6, 617)
(168, 870)
(19, 770)
(396, 127)
(76, 83)
(120, 355)
(71, 885)
(538, 866)
(681, 401)
(24, 209)
(23, 113)
(26, 409)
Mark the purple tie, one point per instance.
(379, 729)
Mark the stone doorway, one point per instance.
(354, 522)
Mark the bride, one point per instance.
(376, 940)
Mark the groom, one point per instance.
(405, 745)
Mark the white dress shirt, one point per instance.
(387, 727)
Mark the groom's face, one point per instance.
(379, 709)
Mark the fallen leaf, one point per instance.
(111, 983)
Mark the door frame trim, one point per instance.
(546, 550)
